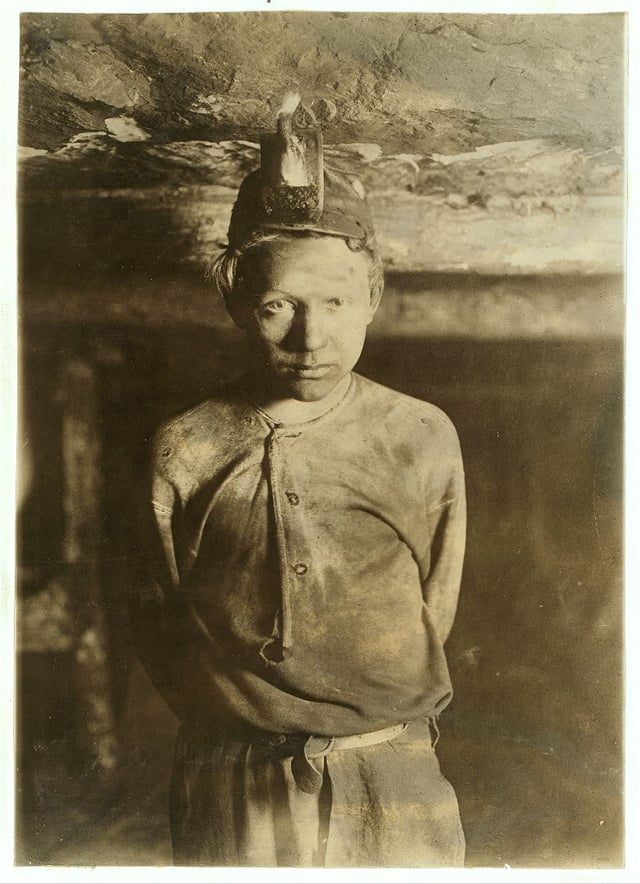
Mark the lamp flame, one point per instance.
(293, 167)
(289, 104)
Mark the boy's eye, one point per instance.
(276, 307)
(337, 302)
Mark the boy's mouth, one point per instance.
(309, 370)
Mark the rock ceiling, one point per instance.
(486, 142)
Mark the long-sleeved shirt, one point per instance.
(303, 578)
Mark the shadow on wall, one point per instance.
(532, 740)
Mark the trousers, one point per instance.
(237, 802)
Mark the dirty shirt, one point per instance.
(301, 579)
(304, 578)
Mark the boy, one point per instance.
(305, 551)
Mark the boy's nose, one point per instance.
(310, 331)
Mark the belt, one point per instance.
(308, 764)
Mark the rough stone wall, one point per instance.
(487, 143)
(443, 83)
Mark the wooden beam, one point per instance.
(82, 508)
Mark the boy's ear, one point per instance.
(374, 302)
(236, 308)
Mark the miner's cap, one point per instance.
(294, 190)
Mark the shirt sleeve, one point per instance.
(165, 633)
(193, 674)
(447, 526)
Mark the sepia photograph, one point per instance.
(319, 517)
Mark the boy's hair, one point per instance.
(226, 270)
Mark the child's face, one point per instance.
(305, 313)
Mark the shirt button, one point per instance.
(292, 497)
(300, 568)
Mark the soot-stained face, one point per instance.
(305, 308)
